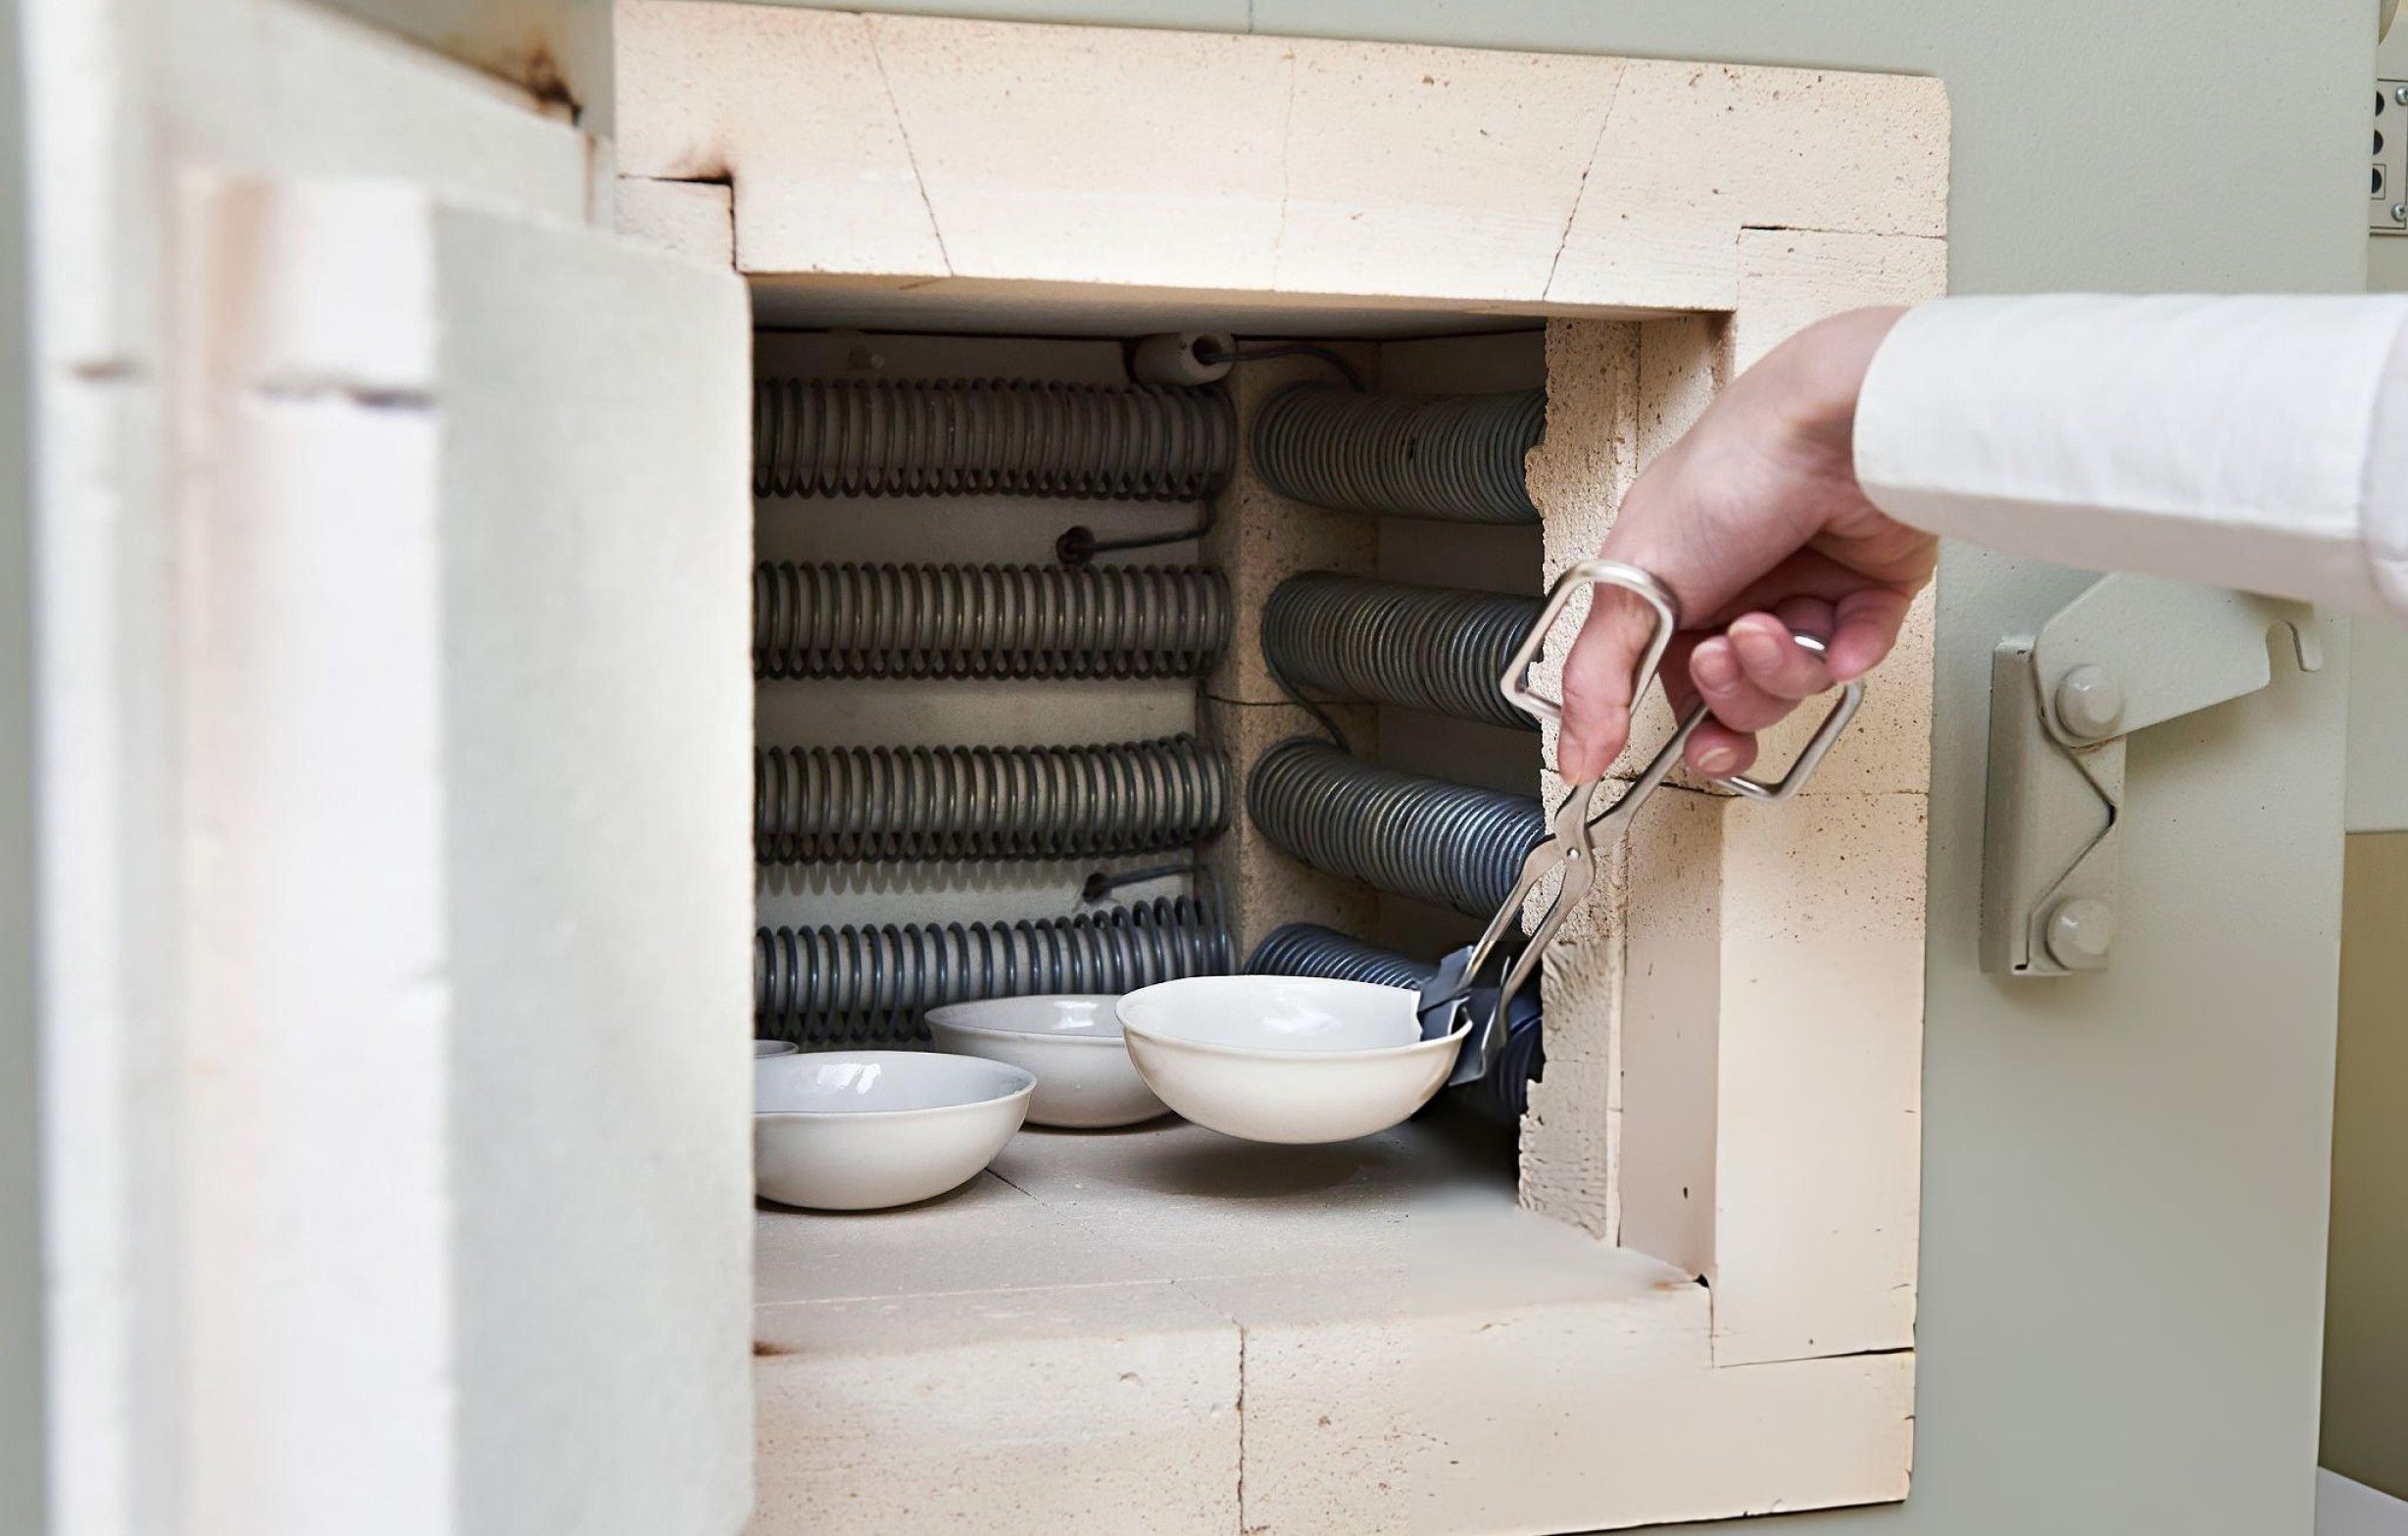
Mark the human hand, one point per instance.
(1756, 523)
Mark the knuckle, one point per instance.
(1763, 712)
(1589, 688)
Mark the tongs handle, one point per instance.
(1515, 684)
(1578, 577)
(1843, 710)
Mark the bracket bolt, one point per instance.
(2089, 702)
(2080, 930)
(2399, 212)
(2399, 93)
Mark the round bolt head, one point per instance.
(2080, 932)
(2399, 212)
(2399, 93)
(2089, 702)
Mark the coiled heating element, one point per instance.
(815, 804)
(989, 437)
(1452, 845)
(1431, 648)
(893, 620)
(1307, 948)
(1454, 458)
(857, 985)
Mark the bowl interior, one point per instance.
(1275, 1013)
(855, 1082)
(1059, 1015)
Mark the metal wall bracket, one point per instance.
(2386, 209)
(2131, 652)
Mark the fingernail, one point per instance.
(1717, 759)
(1712, 667)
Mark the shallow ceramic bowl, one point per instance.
(1071, 1042)
(860, 1130)
(761, 1048)
(1285, 1059)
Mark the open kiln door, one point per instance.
(469, 1172)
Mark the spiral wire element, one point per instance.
(856, 985)
(1453, 458)
(1307, 948)
(869, 803)
(1504, 1093)
(1431, 648)
(989, 437)
(1452, 845)
(893, 620)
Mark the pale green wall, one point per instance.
(2366, 1345)
(21, 1331)
(2378, 689)
(2378, 799)
(2124, 1191)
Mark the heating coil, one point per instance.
(1452, 845)
(1307, 948)
(889, 621)
(1504, 1093)
(990, 437)
(1441, 649)
(813, 804)
(1455, 457)
(857, 985)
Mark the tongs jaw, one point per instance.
(1458, 999)
(1578, 829)
(1446, 1007)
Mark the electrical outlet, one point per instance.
(2387, 208)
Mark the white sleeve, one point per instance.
(2257, 444)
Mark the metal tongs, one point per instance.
(1577, 828)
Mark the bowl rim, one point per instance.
(990, 1032)
(1274, 1053)
(1026, 1087)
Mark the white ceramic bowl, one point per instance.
(1285, 1059)
(1070, 1041)
(761, 1048)
(859, 1130)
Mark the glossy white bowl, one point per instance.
(1071, 1042)
(1285, 1059)
(860, 1131)
(761, 1048)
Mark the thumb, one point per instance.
(1597, 683)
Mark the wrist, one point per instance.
(1825, 368)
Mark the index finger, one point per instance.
(1772, 661)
